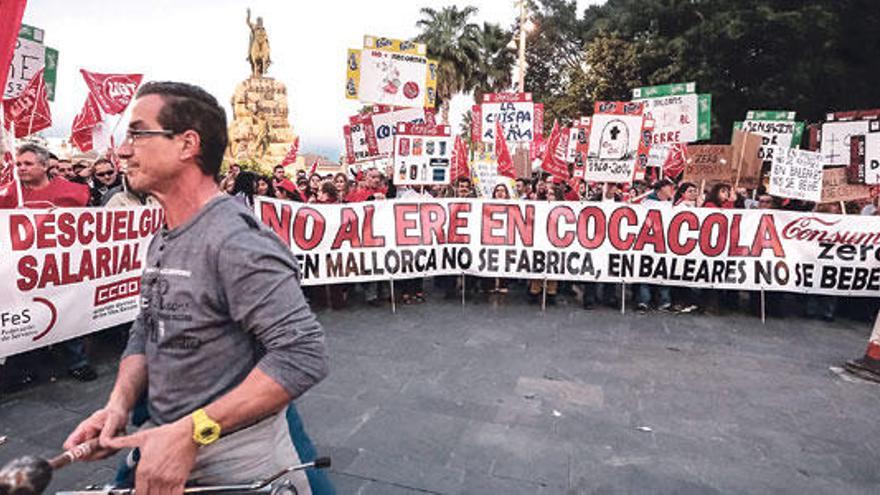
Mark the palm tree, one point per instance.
(453, 41)
(493, 70)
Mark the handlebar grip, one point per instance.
(322, 462)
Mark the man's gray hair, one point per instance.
(40, 152)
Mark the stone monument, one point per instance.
(260, 134)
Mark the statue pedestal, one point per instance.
(257, 99)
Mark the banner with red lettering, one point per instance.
(112, 92)
(70, 272)
(581, 241)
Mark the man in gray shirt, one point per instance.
(225, 339)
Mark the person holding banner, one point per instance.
(225, 339)
(664, 190)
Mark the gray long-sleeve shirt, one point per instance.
(219, 296)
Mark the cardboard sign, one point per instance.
(521, 118)
(391, 78)
(680, 115)
(709, 162)
(30, 56)
(835, 187)
(617, 142)
(796, 174)
(422, 155)
(746, 159)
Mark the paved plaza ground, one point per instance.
(500, 397)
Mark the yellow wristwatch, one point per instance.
(205, 430)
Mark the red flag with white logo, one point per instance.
(29, 111)
(82, 130)
(505, 162)
(554, 158)
(314, 168)
(291, 154)
(459, 160)
(112, 92)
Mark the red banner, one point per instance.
(29, 111)
(112, 92)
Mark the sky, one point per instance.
(205, 42)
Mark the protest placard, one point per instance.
(840, 127)
(360, 139)
(680, 115)
(422, 155)
(385, 120)
(486, 177)
(836, 187)
(746, 159)
(619, 142)
(30, 56)
(709, 162)
(777, 127)
(521, 119)
(796, 174)
(388, 77)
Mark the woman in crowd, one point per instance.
(719, 197)
(314, 186)
(340, 180)
(243, 187)
(264, 187)
(686, 195)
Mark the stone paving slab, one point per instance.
(500, 397)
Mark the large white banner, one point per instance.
(581, 241)
(69, 272)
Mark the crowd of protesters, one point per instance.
(47, 181)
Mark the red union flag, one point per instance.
(552, 163)
(291, 155)
(505, 162)
(314, 168)
(112, 92)
(459, 160)
(29, 111)
(84, 123)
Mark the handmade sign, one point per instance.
(486, 178)
(521, 119)
(422, 155)
(581, 140)
(796, 174)
(836, 133)
(680, 115)
(360, 139)
(747, 163)
(778, 128)
(619, 142)
(389, 77)
(709, 162)
(835, 187)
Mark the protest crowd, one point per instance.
(49, 181)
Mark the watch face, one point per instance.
(206, 432)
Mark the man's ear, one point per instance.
(192, 144)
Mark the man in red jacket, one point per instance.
(32, 164)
